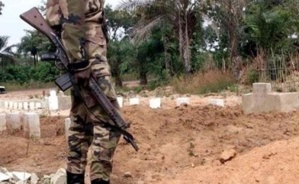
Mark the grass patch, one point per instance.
(213, 81)
(30, 85)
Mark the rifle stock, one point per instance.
(34, 18)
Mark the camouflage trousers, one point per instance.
(88, 133)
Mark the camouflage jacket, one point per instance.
(56, 11)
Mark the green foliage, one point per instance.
(6, 54)
(253, 76)
(271, 25)
(43, 72)
(216, 87)
(34, 40)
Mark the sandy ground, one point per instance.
(178, 145)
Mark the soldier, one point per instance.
(81, 25)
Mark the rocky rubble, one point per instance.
(7, 177)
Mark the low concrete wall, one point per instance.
(264, 100)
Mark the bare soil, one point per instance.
(178, 145)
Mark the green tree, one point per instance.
(180, 15)
(121, 56)
(120, 50)
(34, 43)
(7, 56)
(270, 24)
(227, 17)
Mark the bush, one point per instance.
(43, 72)
(213, 81)
(252, 77)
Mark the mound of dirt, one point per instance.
(178, 145)
(273, 163)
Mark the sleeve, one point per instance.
(53, 14)
(73, 30)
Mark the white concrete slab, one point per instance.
(32, 106)
(155, 103)
(13, 121)
(53, 101)
(15, 105)
(6, 104)
(4, 177)
(26, 106)
(31, 125)
(134, 101)
(120, 101)
(67, 125)
(217, 102)
(23, 176)
(38, 105)
(20, 106)
(2, 122)
(182, 100)
(10, 105)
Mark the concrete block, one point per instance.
(13, 122)
(38, 105)
(2, 122)
(20, 106)
(217, 102)
(31, 125)
(15, 105)
(53, 101)
(59, 177)
(278, 102)
(134, 101)
(183, 100)
(262, 88)
(288, 101)
(4, 177)
(260, 92)
(67, 125)
(10, 105)
(248, 103)
(45, 103)
(22, 176)
(6, 104)
(32, 106)
(26, 106)
(120, 101)
(155, 103)
(64, 102)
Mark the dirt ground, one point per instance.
(178, 145)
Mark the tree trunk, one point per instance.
(186, 47)
(142, 73)
(181, 38)
(115, 70)
(184, 41)
(143, 77)
(118, 81)
(167, 57)
(235, 59)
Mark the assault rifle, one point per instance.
(64, 82)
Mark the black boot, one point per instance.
(74, 178)
(99, 181)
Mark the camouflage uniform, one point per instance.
(81, 23)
